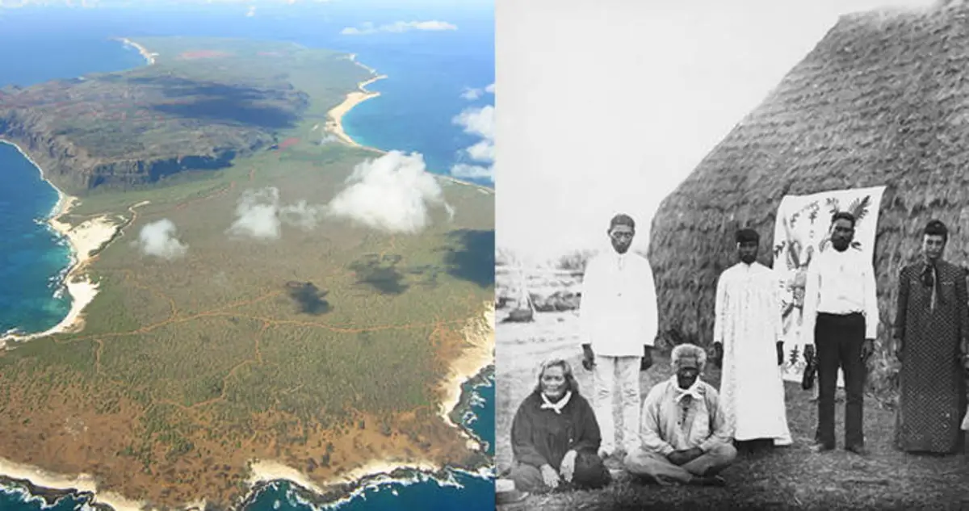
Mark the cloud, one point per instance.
(326, 139)
(397, 27)
(479, 122)
(251, 12)
(391, 193)
(158, 239)
(260, 216)
(473, 93)
(474, 172)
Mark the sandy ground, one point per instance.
(784, 478)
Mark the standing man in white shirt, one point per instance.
(839, 324)
(618, 316)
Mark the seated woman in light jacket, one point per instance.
(555, 436)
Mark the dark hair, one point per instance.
(844, 215)
(747, 235)
(935, 227)
(622, 218)
(567, 373)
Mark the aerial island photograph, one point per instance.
(247, 255)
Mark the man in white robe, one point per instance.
(749, 346)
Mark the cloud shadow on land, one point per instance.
(473, 259)
(308, 297)
(226, 103)
(381, 273)
(429, 273)
(226, 110)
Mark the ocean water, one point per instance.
(33, 257)
(428, 72)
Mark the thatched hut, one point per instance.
(881, 100)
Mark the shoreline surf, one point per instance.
(47, 484)
(82, 239)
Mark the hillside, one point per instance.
(199, 105)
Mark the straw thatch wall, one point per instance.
(881, 100)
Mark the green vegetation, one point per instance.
(249, 348)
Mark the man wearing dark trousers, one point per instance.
(839, 326)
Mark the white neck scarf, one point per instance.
(694, 391)
(557, 406)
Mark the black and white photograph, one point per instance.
(731, 255)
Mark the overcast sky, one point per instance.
(605, 106)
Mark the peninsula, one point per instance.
(323, 355)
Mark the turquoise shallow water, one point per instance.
(427, 74)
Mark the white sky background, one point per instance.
(604, 106)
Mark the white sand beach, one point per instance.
(375, 468)
(82, 483)
(481, 188)
(268, 471)
(479, 334)
(84, 239)
(149, 56)
(353, 99)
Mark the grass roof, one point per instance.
(881, 100)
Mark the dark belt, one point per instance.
(846, 315)
(846, 318)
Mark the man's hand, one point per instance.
(809, 354)
(780, 349)
(647, 360)
(677, 457)
(588, 357)
(549, 476)
(568, 466)
(693, 453)
(681, 457)
(868, 348)
(898, 349)
(718, 355)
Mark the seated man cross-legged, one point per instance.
(684, 434)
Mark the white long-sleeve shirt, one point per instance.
(618, 310)
(839, 283)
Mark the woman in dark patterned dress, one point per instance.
(966, 367)
(931, 343)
